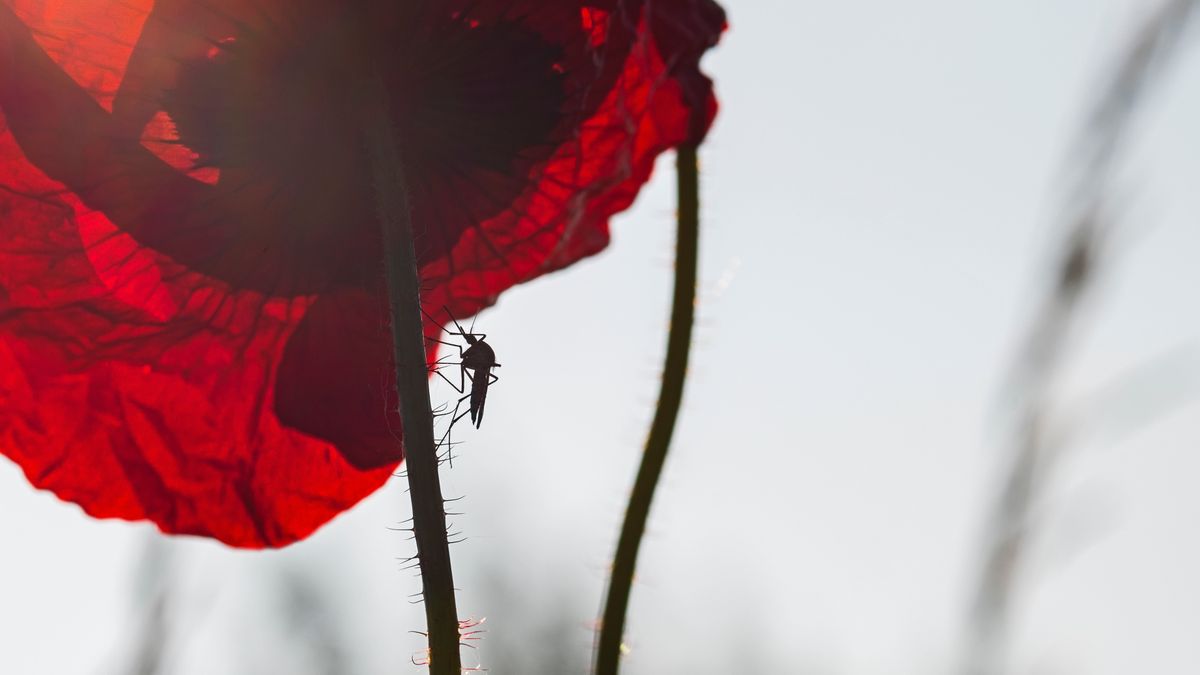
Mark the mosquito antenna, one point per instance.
(472, 328)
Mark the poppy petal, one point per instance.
(192, 327)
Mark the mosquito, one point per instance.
(479, 358)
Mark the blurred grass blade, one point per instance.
(1086, 226)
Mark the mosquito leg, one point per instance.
(438, 323)
(447, 456)
(448, 344)
(457, 387)
(454, 420)
(437, 368)
(456, 324)
(460, 333)
(445, 439)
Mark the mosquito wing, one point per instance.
(479, 387)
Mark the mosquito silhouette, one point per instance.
(479, 358)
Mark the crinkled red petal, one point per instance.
(162, 359)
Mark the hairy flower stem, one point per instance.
(412, 382)
(612, 626)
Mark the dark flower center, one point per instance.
(476, 105)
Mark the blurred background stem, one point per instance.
(679, 340)
(153, 632)
(1085, 225)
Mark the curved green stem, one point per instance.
(412, 383)
(612, 626)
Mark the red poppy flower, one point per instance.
(192, 321)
